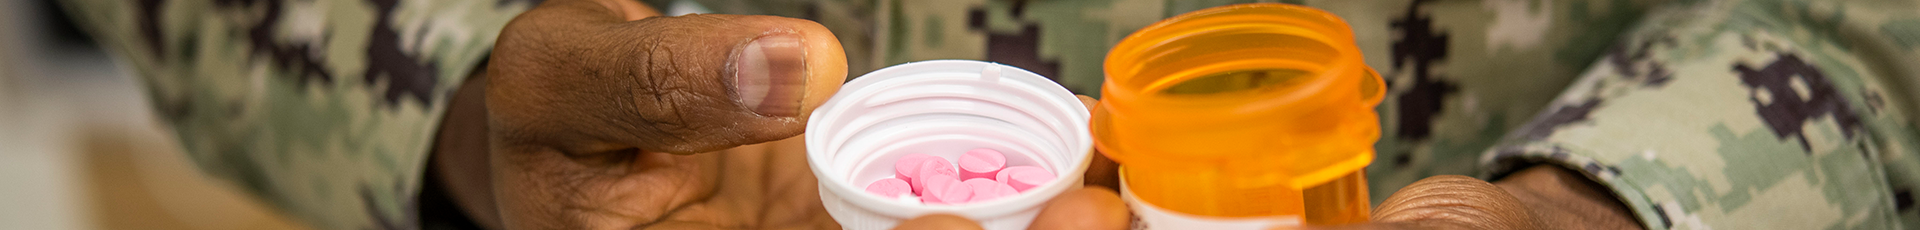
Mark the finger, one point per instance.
(1101, 171)
(593, 81)
(1087, 102)
(1453, 202)
(939, 222)
(1085, 208)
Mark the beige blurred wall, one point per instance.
(136, 179)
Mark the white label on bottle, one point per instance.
(1148, 216)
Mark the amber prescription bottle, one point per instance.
(1241, 116)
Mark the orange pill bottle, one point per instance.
(1240, 117)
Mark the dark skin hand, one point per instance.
(599, 114)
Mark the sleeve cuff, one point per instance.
(1507, 159)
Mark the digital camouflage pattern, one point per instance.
(1696, 113)
(1763, 114)
(325, 109)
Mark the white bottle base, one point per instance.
(1148, 216)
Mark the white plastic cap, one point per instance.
(944, 108)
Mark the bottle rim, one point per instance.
(1130, 98)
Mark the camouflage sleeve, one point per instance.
(325, 109)
(1461, 73)
(1761, 114)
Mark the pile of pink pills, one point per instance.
(981, 175)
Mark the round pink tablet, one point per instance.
(1006, 173)
(932, 166)
(921, 186)
(981, 163)
(1024, 177)
(943, 189)
(986, 189)
(889, 187)
(909, 165)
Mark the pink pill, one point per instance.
(943, 189)
(981, 163)
(1024, 177)
(932, 181)
(889, 187)
(1006, 173)
(987, 189)
(909, 165)
(932, 166)
(1004, 190)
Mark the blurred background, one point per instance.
(80, 147)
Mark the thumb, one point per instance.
(586, 76)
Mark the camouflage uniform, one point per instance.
(1745, 115)
(1696, 113)
(326, 109)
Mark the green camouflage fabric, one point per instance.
(1696, 113)
(1762, 114)
(325, 109)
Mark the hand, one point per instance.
(1541, 197)
(602, 115)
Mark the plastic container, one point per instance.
(1253, 115)
(944, 108)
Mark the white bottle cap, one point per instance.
(944, 108)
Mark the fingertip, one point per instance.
(823, 58)
(1102, 172)
(1084, 208)
(939, 221)
(715, 81)
(1087, 102)
(826, 64)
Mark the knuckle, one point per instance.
(676, 95)
(1453, 180)
(1454, 201)
(676, 112)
